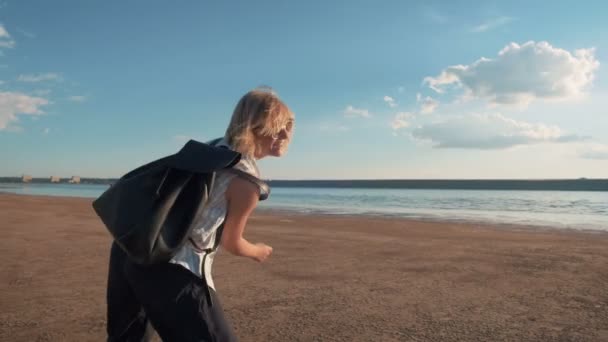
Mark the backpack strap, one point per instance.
(207, 251)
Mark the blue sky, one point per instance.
(380, 89)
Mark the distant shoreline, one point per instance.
(444, 184)
(582, 184)
(63, 180)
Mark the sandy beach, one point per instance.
(331, 278)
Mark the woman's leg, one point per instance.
(177, 302)
(127, 320)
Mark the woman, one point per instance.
(178, 298)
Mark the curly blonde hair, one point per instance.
(260, 112)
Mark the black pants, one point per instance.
(165, 297)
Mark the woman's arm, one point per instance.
(242, 197)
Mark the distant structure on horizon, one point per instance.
(74, 180)
(55, 179)
(26, 178)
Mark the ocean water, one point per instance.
(559, 209)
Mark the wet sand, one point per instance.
(331, 278)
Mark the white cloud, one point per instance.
(13, 104)
(77, 98)
(492, 24)
(401, 120)
(6, 41)
(390, 101)
(3, 32)
(34, 78)
(351, 112)
(594, 151)
(489, 131)
(521, 74)
(427, 104)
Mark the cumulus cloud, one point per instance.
(401, 120)
(351, 112)
(13, 104)
(427, 104)
(4, 32)
(594, 151)
(6, 41)
(35, 78)
(492, 24)
(390, 101)
(489, 131)
(521, 74)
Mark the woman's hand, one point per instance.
(263, 253)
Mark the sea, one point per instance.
(580, 210)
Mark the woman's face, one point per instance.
(275, 145)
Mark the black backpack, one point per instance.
(151, 210)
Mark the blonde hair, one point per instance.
(260, 112)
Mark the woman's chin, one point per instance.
(278, 152)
